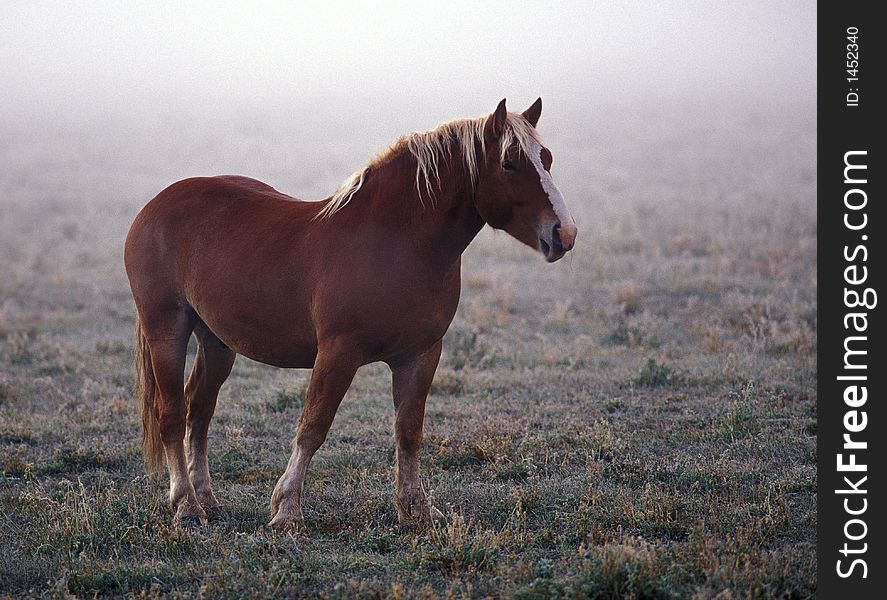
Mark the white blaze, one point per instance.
(554, 194)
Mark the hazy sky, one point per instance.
(61, 58)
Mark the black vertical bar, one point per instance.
(850, 244)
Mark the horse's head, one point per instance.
(515, 191)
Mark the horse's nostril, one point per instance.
(556, 238)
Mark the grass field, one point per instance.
(637, 420)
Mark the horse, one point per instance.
(371, 273)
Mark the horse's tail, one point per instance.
(145, 390)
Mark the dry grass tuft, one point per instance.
(629, 296)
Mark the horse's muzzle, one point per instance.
(561, 241)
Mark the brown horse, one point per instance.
(370, 274)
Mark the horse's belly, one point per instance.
(279, 339)
(279, 352)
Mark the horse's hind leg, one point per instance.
(167, 332)
(211, 368)
(334, 369)
(411, 381)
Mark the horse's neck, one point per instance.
(444, 223)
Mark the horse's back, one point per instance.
(205, 195)
(248, 182)
(222, 205)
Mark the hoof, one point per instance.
(189, 515)
(286, 512)
(208, 499)
(419, 516)
(286, 522)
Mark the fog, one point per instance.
(661, 102)
(66, 62)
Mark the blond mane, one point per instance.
(430, 148)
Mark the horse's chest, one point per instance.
(397, 316)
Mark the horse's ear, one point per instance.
(533, 113)
(496, 124)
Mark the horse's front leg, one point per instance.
(334, 369)
(411, 381)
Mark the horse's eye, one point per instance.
(508, 165)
